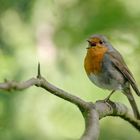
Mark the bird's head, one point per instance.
(97, 40)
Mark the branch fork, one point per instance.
(92, 112)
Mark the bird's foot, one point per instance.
(107, 99)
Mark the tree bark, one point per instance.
(92, 112)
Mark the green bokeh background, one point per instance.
(54, 32)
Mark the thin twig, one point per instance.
(38, 71)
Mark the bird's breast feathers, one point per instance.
(93, 59)
(95, 69)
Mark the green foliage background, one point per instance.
(54, 32)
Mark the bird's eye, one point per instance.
(101, 42)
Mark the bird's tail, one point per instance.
(131, 99)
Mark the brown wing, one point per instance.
(119, 63)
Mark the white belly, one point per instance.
(105, 82)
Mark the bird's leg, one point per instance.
(108, 97)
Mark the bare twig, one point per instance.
(38, 71)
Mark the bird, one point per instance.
(106, 68)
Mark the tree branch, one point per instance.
(91, 112)
(91, 125)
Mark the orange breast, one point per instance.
(93, 59)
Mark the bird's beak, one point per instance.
(89, 46)
(88, 41)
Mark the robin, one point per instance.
(106, 68)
